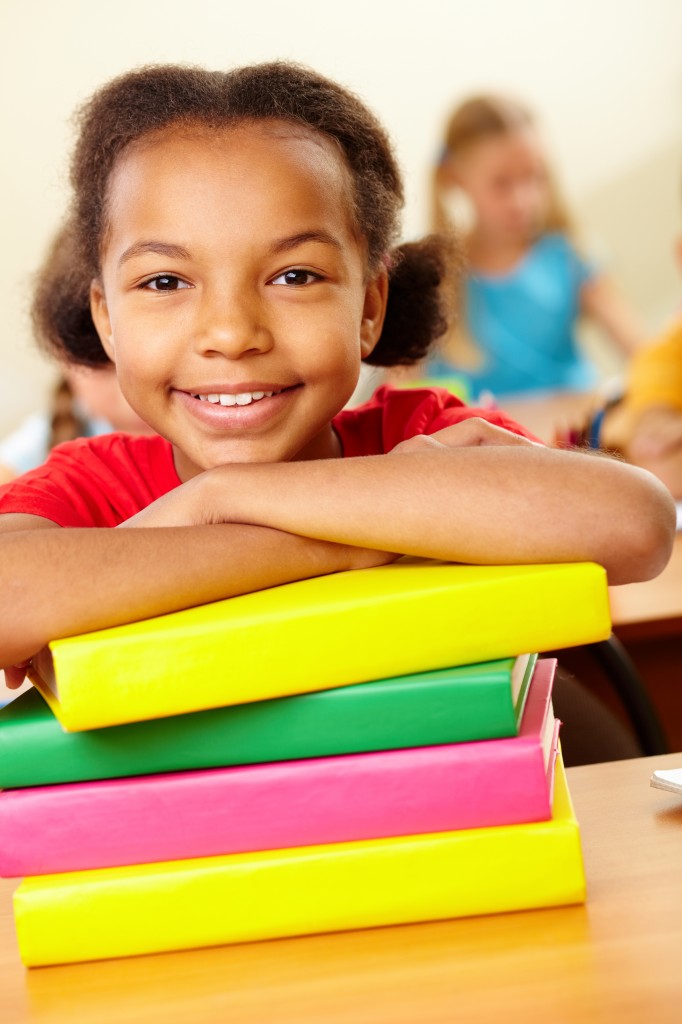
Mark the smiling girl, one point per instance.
(236, 234)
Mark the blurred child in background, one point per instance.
(526, 284)
(86, 400)
(646, 426)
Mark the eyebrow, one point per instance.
(174, 252)
(293, 241)
(177, 252)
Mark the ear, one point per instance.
(373, 312)
(678, 251)
(99, 311)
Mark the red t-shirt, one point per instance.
(102, 481)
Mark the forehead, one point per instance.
(269, 168)
(515, 151)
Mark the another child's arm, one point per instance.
(602, 302)
(647, 425)
(650, 438)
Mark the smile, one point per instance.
(241, 398)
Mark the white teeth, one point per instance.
(243, 398)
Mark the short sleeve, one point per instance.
(99, 481)
(395, 414)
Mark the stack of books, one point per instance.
(369, 748)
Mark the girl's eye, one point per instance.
(296, 278)
(164, 283)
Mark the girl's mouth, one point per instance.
(241, 398)
(229, 398)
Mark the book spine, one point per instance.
(246, 897)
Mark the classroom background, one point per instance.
(605, 79)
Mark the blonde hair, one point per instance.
(486, 117)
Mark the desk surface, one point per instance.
(615, 959)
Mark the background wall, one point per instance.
(604, 75)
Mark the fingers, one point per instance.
(470, 433)
(368, 558)
(15, 674)
(476, 431)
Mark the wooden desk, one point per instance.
(614, 960)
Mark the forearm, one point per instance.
(58, 582)
(479, 505)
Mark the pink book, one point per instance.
(52, 829)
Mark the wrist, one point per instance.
(224, 494)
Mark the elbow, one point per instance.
(641, 542)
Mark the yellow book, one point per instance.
(316, 634)
(210, 901)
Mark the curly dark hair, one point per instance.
(60, 310)
(155, 98)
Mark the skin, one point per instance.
(261, 283)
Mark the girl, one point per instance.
(526, 284)
(236, 232)
(86, 400)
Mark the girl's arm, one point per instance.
(56, 582)
(471, 493)
(601, 301)
(484, 496)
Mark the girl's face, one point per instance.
(506, 181)
(234, 297)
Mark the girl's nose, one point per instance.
(232, 325)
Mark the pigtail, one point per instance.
(422, 280)
(60, 310)
(65, 423)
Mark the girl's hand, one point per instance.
(15, 674)
(470, 433)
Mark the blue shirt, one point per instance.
(523, 323)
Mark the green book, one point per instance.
(470, 702)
